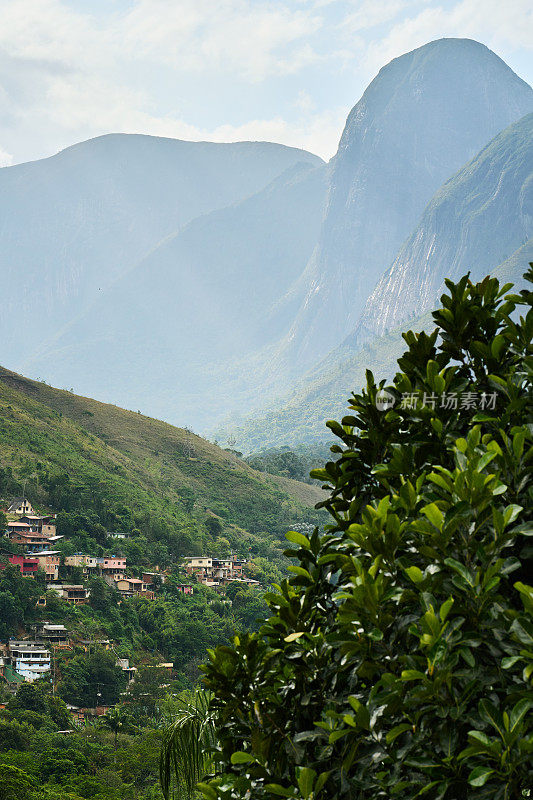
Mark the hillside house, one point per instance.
(118, 534)
(216, 571)
(127, 671)
(28, 566)
(154, 578)
(20, 506)
(52, 634)
(31, 541)
(30, 659)
(87, 564)
(42, 524)
(134, 587)
(185, 588)
(49, 562)
(90, 645)
(72, 593)
(112, 566)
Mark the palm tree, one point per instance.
(187, 745)
(118, 719)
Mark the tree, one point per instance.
(91, 679)
(29, 697)
(146, 692)
(59, 712)
(399, 656)
(185, 753)
(118, 720)
(102, 596)
(214, 526)
(15, 784)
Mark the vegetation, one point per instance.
(105, 468)
(43, 756)
(18, 596)
(178, 627)
(296, 462)
(187, 746)
(398, 658)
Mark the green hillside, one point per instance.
(104, 466)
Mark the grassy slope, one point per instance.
(149, 464)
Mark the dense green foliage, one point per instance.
(187, 746)
(296, 462)
(102, 760)
(18, 596)
(91, 679)
(398, 659)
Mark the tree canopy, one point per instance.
(398, 658)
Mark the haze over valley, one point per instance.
(202, 283)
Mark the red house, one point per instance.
(28, 566)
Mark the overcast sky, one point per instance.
(224, 70)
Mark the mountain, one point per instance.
(167, 478)
(422, 118)
(197, 308)
(73, 223)
(321, 394)
(193, 280)
(479, 218)
(299, 419)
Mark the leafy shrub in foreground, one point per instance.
(398, 659)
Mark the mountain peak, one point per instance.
(420, 120)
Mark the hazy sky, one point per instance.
(224, 70)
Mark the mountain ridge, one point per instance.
(171, 479)
(421, 119)
(480, 217)
(75, 221)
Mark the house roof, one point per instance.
(16, 503)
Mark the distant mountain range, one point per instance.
(72, 224)
(195, 281)
(202, 300)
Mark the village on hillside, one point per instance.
(34, 537)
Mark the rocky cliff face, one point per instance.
(476, 221)
(424, 116)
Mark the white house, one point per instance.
(29, 659)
